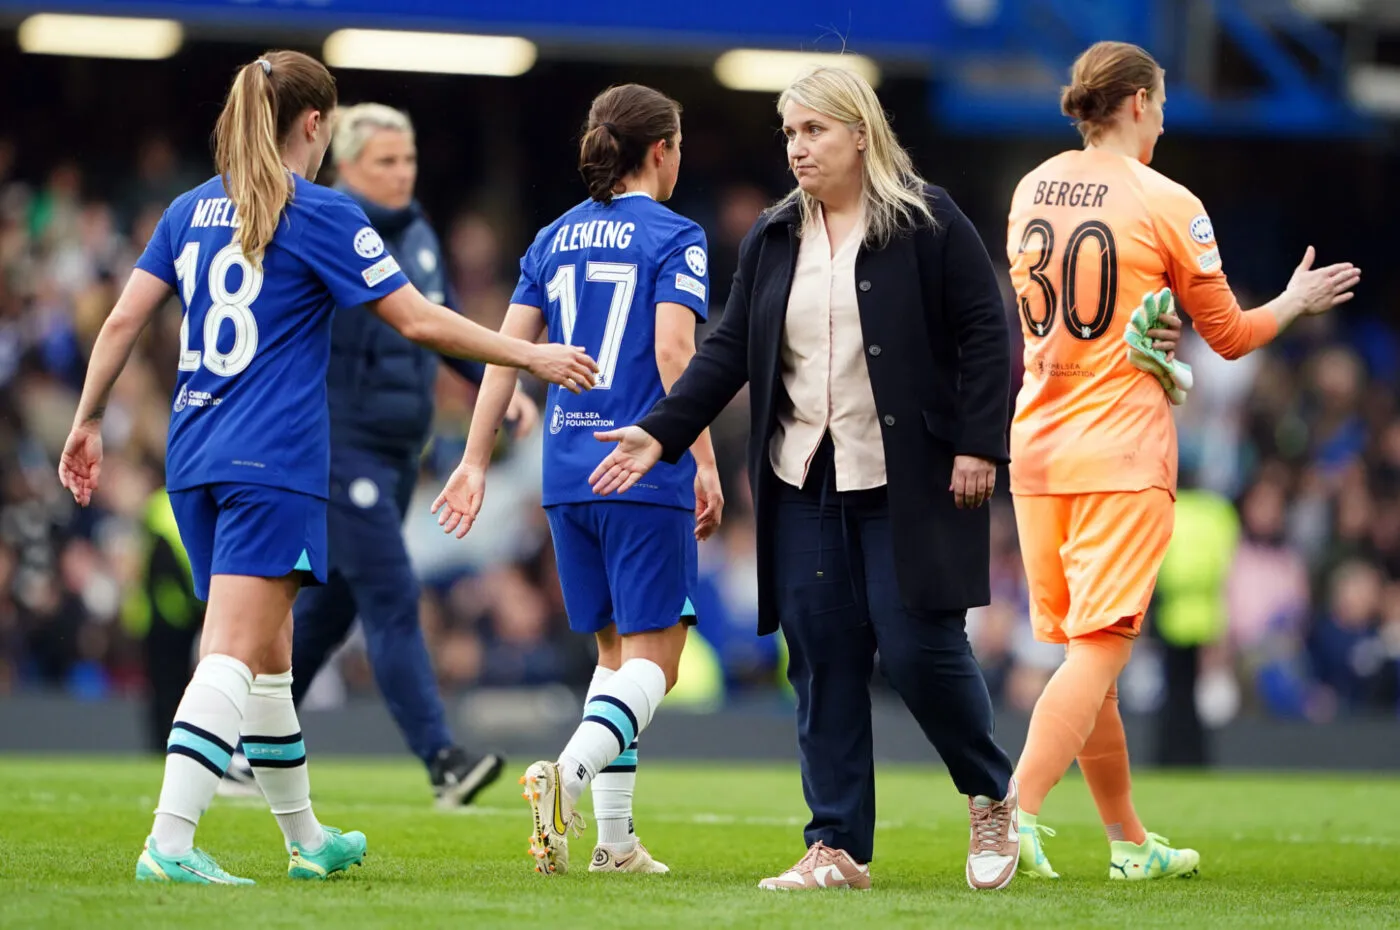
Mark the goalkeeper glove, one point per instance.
(1174, 376)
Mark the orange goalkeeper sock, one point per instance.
(1104, 762)
(1065, 715)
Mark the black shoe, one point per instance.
(458, 778)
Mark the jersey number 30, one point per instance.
(236, 307)
(1075, 323)
(563, 291)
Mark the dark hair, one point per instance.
(1101, 77)
(623, 123)
(265, 100)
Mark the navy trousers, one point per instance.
(839, 605)
(370, 576)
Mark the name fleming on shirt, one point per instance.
(603, 234)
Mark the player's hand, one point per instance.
(567, 366)
(81, 463)
(973, 481)
(1321, 289)
(634, 456)
(460, 500)
(523, 412)
(709, 503)
(1168, 336)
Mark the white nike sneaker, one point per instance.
(995, 843)
(554, 816)
(637, 861)
(821, 868)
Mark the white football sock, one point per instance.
(614, 716)
(613, 787)
(197, 755)
(273, 745)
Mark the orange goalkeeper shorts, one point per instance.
(1091, 560)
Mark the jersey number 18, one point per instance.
(236, 307)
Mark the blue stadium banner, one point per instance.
(901, 28)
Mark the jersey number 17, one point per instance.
(563, 290)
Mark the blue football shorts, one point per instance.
(251, 529)
(635, 565)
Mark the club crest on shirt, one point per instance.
(427, 261)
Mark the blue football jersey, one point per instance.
(598, 273)
(250, 399)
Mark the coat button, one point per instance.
(889, 420)
(875, 350)
(865, 285)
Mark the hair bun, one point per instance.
(1084, 103)
(1102, 77)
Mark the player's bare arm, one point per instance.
(426, 323)
(80, 466)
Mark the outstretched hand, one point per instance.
(567, 366)
(460, 500)
(1321, 289)
(634, 456)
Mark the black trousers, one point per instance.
(839, 604)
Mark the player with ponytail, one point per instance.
(622, 274)
(261, 257)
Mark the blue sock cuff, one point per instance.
(275, 752)
(199, 744)
(609, 712)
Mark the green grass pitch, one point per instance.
(1277, 851)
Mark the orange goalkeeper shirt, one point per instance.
(1091, 232)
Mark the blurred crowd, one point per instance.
(1288, 585)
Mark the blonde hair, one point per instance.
(1102, 76)
(893, 190)
(265, 100)
(354, 125)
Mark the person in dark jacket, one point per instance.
(867, 321)
(380, 390)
